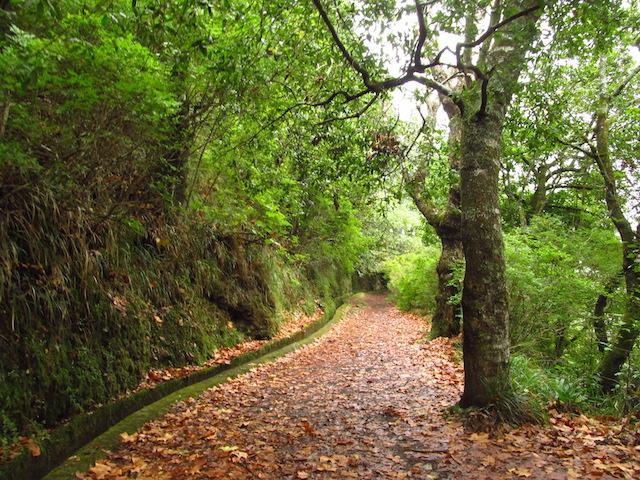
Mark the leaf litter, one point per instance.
(368, 400)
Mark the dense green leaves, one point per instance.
(163, 173)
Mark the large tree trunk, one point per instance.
(484, 297)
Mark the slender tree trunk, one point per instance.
(539, 197)
(599, 325)
(621, 347)
(484, 297)
(4, 116)
(448, 315)
(176, 148)
(615, 358)
(177, 157)
(5, 25)
(561, 340)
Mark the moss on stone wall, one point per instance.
(87, 324)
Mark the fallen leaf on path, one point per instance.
(369, 399)
(520, 472)
(488, 461)
(126, 438)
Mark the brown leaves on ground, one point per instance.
(223, 356)
(292, 324)
(10, 452)
(570, 447)
(366, 401)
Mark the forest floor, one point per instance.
(368, 400)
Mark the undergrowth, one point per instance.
(87, 310)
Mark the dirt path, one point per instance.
(368, 400)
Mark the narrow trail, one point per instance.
(368, 400)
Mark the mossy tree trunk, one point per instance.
(484, 297)
(623, 343)
(486, 344)
(446, 223)
(448, 313)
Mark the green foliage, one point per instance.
(161, 195)
(555, 275)
(166, 189)
(413, 280)
(547, 386)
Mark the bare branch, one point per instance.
(572, 186)
(440, 88)
(558, 171)
(409, 76)
(494, 18)
(624, 83)
(494, 28)
(358, 114)
(484, 98)
(408, 150)
(589, 153)
(336, 39)
(422, 35)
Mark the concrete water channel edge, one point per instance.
(81, 457)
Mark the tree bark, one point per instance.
(177, 156)
(485, 309)
(448, 315)
(599, 325)
(484, 297)
(539, 197)
(621, 347)
(615, 358)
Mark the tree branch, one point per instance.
(624, 83)
(377, 87)
(358, 114)
(494, 28)
(589, 153)
(422, 33)
(494, 18)
(336, 39)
